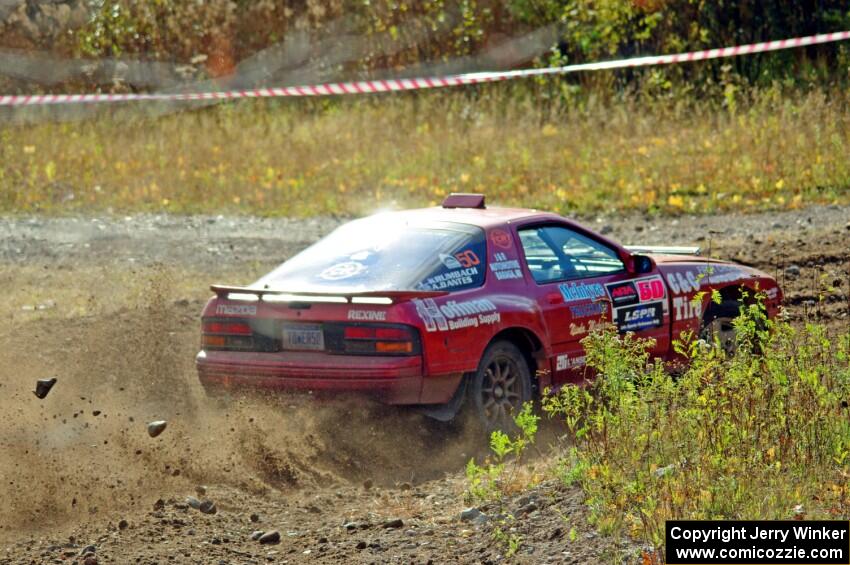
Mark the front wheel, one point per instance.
(718, 326)
(500, 387)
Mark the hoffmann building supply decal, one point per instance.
(454, 315)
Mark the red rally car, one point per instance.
(459, 305)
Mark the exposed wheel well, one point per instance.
(737, 292)
(532, 349)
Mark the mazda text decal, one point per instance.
(236, 309)
(455, 315)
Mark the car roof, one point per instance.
(482, 217)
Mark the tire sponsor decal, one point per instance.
(685, 308)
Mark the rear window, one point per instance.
(384, 253)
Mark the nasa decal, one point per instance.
(623, 294)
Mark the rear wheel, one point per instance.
(500, 386)
(718, 326)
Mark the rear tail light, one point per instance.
(372, 339)
(231, 334)
(227, 327)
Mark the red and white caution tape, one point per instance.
(395, 85)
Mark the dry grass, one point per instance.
(300, 158)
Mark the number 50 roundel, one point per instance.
(650, 289)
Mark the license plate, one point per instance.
(304, 336)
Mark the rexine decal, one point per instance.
(367, 315)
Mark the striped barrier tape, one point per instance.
(396, 85)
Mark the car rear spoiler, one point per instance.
(664, 250)
(244, 292)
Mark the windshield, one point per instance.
(378, 253)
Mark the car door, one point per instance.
(584, 284)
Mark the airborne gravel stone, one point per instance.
(157, 427)
(43, 386)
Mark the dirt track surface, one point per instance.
(110, 307)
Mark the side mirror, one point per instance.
(643, 264)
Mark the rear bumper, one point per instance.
(392, 380)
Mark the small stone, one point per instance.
(208, 507)
(159, 504)
(527, 509)
(255, 518)
(200, 490)
(405, 486)
(257, 534)
(323, 540)
(469, 514)
(193, 502)
(157, 427)
(606, 229)
(361, 545)
(367, 484)
(90, 559)
(88, 549)
(96, 413)
(123, 525)
(394, 523)
(43, 386)
(351, 526)
(270, 538)
(793, 271)
(664, 471)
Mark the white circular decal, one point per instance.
(342, 271)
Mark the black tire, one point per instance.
(717, 325)
(499, 388)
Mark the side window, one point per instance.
(555, 253)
